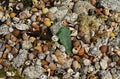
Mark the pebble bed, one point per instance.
(59, 39)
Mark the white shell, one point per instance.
(22, 26)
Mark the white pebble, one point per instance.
(87, 62)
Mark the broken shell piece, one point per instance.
(22, 26)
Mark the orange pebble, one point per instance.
(81, 52)
(12, 15)
(39, 48)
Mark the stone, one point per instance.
(111, 4)
(60, 14)
(33, 72)
(22, 26)
(86, 62)
(103, 64)
(4, 29)
(105, 75)
(20, 58)
(71, 17)
(26, 44)
(82, 7)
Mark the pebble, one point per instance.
(20, 58)
(82, 7)
(86, 62)
(103, 64)
(75, 64)
(22, 26)
(26, 44)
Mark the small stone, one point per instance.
(52, 66)
(11, 29)
(82, 7)
(103, 64)
(47, 23)
(10, 56)
(75, 64)
(12, 15)
(44, 10)
(77, 43)
(22, 26)
(20, 58)
(30, 56)
(39, 48)
(55, 38)
(43, 76)
(41, 55)
(26, 44)
(81, 51)
(104, 48)
(86, 62)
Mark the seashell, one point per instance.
(16, 19)
(54, 38)
(75, 50)
(62, 48)
(33, 18)
(43, 76)
(22, 26)
(19, 6)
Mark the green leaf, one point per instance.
(65, 39)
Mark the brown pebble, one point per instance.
(86, 56)
(35, 26)
(39, 48)
(118, 62)
(14, 51)
(106, 12)
(6, 63)
(61, 60)
(34, 9)
(8, 36)
(81, 52)
(4, 56)
(45, 48)
(93, 2)
(76, 58)
(52, 66)
(104, 48)
(13, 38)
(16, 32)
(91, 77)
(75, 64)
(44, 62)
(76, 43)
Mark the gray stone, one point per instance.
(4, 29)
(33, 72)
(55, 28)
(21, 26)
(71, 17)
(105, 75)
(82, 7)
(111, 4)
(20, 58)
(26, 44)
(103, 64)
(60, 14)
